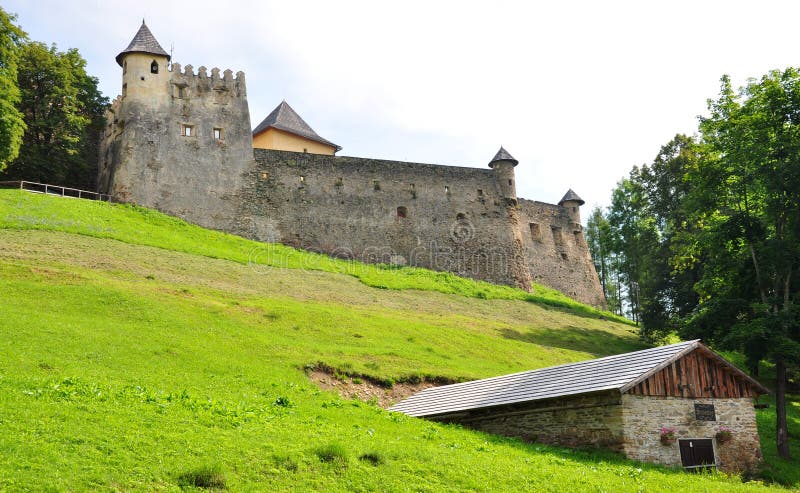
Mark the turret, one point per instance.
(144, 69)
(503, 166)
(572, 203)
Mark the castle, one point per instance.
(181, 142)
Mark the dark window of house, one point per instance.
(376, 185)
(480, 193)
(697, 453)
(510, 182)
(154, 67)
(461, 216)
(402, 212)
(218, 134)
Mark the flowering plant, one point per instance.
(667, 435)
(724, 434)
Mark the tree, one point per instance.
(64, 113)
(11, 123)
(746, 196)
(600, 240)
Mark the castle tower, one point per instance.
(572, 203)
(177, 141)
(144, 69)
(503, 165)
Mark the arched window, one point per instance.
(154, 67)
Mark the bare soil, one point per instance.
(367, 391)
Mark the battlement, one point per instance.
(186, 82)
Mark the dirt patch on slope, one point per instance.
(356, 388)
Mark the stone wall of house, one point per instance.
(644, 416)
(592, 420)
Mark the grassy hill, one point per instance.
(140, 353)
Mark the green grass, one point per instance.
(129, 365)
(137, 225)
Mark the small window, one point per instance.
(510, 182)
(217, 134)
(265, 175)
(402, 211)
(154, 67)
(446, 189)
(180, 92)
(187, 130)
(376, 185)
(480, 193)
(461, 216)
(302, 179)
(125, 67)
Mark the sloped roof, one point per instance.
(570, 195)
(619, 372)
(285, 118)
(503, 155)
(143, 42)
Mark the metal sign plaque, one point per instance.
(704, 412)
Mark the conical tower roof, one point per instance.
(503, 155)
(285, 118)
(571, 196)
(143, 42)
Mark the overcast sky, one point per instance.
(578, 92)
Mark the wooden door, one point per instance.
(697, 453)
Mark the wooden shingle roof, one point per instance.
(143, 42)
(619, 372)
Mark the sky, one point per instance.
(578, 91)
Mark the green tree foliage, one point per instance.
(63, 110)
(600, 239)
(747, 197)
(11, 123)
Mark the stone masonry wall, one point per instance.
(440, 217)
(557, 252)
(592, 420)
(147, 159)
(644, 416)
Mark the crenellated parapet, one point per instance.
(222, 85)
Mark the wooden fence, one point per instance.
(33, 187)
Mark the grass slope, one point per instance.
(131, 367)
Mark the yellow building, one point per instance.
(284, 130)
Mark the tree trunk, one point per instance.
(780, 409)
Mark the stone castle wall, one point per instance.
(462, 220)
(440, 217)
(644, 416)
(557, 253)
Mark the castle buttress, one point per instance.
(181, 142)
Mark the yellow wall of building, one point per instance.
(273, 138)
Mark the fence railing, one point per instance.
(33, 187)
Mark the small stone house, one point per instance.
(677, 405)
